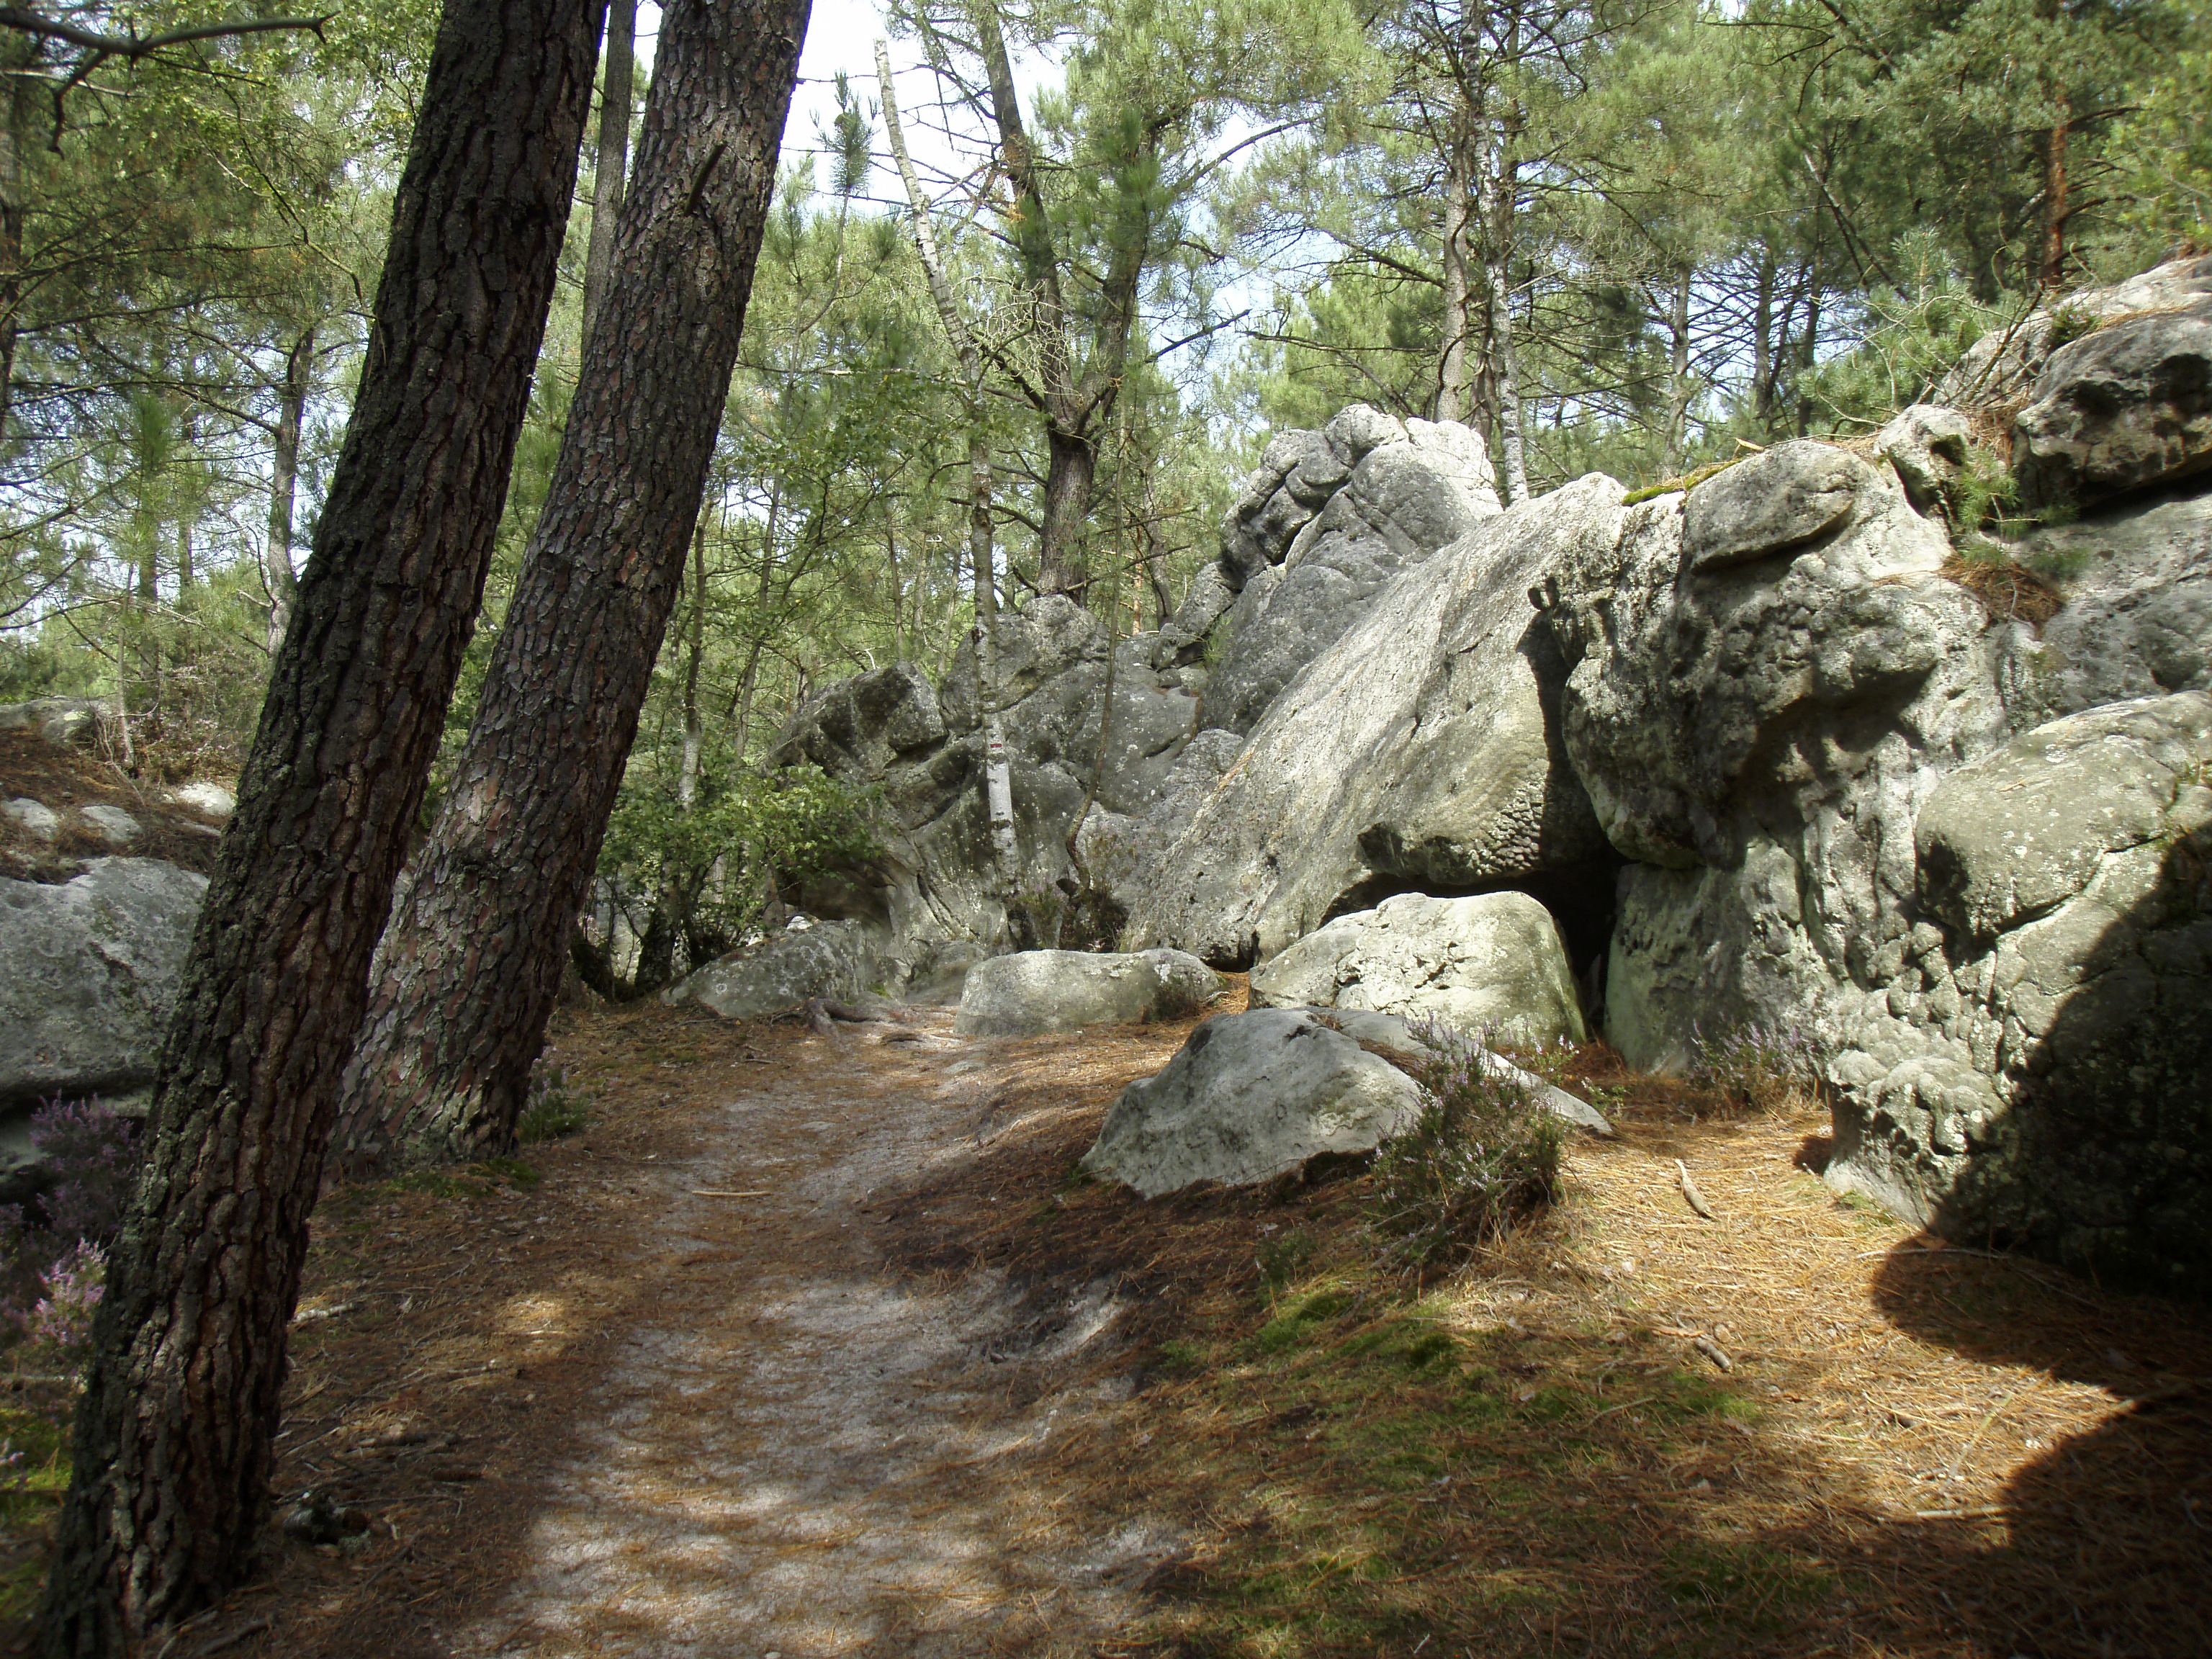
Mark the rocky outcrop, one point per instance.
(1419, 751)
(1248, 1097)
(1325, 522)
(2127, 405)
(1756, 727)
(89, 975)
(1033, 993)
(1491, 965)
(2001, 370)
(2041, 1070)
(834, 959)
(60, 720)
(2137, 621)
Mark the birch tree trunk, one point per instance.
(276, 572)
(471, 967)
(169, 1498)
(998, 772)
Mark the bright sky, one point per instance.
(842, 36)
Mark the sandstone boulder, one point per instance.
(60, 720)
(2039, 1071)
(2137, 576)
(1928, 446)
(833, 959)
(2127, 405)
(1034, 992)
(1492, 965)
(1248, 1097)
(2002, 368)
(89, 976)
(1410, 490)
(1421, 749)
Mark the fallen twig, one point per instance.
(1690, 1191)
(1712, 1349)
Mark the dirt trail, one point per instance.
(789, 1456)
(701, 1392)
(812, 1349)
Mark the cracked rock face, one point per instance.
(2128, 405)
(1323, 524)
(2041, 1070)
(1420, 749)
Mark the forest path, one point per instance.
(713, 1385)
(806, 1450)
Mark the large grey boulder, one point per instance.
(1928, 446)
(2001, 370)
(918, 752)
(1248, 1097)
(2039, 1072)
(1492, 965)
(833, 959)
(1035, 993)
(2127, 405)
(2136, 577)
(89, 976)
(1769, 503)
(1420, 749)
(1756, 726)
(1410, 490)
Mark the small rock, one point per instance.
(36, 816)
(211, 799)
(116, 827)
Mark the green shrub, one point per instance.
(1483, 1156)
(553, 1109)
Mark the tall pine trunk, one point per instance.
(610, 159)
(471, 967)
(1451, 372)
(169, 1499)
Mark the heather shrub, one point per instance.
(1482, 1156)
(1755, 1068)
(53, 1249)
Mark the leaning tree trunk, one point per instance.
(471, 967)
(612, 160)
(169, 1499)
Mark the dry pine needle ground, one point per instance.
(1914, 1449)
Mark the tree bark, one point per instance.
(471, 967)
(2056, 211)
(1451, 375)
(169, 1498)
(1679, 388)
(998, 772)
(278, 575)
(611, 160)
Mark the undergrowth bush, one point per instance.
(1482, 1156)
(552, 1108)
(53, 1248)
(1755, 1068)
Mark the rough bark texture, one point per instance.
(170, 1496)
(471, 967)
(611, 160)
